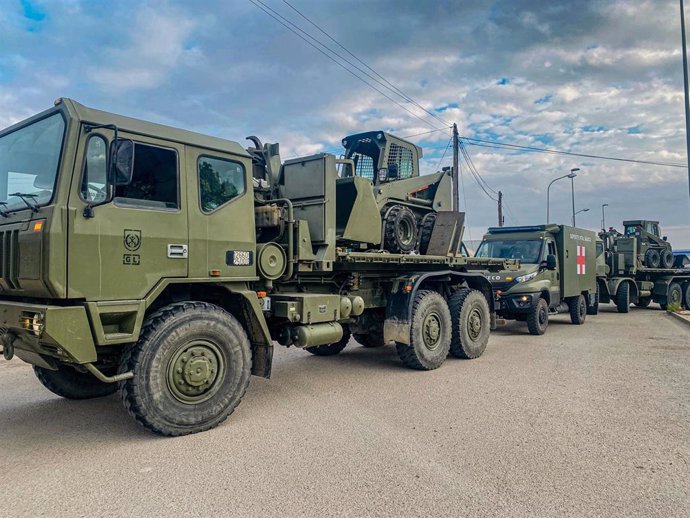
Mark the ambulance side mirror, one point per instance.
(551, 262)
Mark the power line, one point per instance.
(498, 145)
(284, 22)
(426, 132)
(444, 154)
(390, 85)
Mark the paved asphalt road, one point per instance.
(588, 421)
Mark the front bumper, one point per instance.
(36, 333)
(515, 303)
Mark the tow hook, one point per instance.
(8, 345)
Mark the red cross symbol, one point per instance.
(580, 260)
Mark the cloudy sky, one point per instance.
(595, 77)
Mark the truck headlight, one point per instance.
(525, 278)
(32, 322)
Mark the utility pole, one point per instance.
(500, 209)
(685, 83)
(456, 169)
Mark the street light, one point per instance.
(571, 175)
(603, 216)
(582, 210)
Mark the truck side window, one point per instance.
(552, 248)
(94, 178)
(219, 182)
(154, 182)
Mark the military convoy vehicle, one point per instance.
(624, 276)
(557, 273)
(166, 263)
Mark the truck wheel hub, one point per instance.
(432, 331)
(475, 324)
(194, 370)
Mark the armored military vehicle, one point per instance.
(625, 275)
(557, 273)
(167, 262)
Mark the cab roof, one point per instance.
(151, 129)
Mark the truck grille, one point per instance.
(9, 259)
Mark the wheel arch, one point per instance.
(238, 300)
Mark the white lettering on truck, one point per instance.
(576, 237)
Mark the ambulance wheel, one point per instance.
(578, 309)
(538, 319)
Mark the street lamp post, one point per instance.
(571, 175)
(572, 189)
(603, 216)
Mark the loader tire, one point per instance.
(331, 349)
(538, 319)
(667, 259)
(400, 230)
(430, 332)
(425, 230)
(191, 368)
(471, 320)
(623, 298)
(71, 384)
(652, 259)
(577, 307)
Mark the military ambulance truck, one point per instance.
(557, 273)
(630, 270)
(166, 263)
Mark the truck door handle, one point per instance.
(177, 251)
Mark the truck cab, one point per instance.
(557, 273)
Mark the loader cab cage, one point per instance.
(381, 157)
(651, 227)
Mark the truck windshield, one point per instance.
(528, 251)
(29, 160)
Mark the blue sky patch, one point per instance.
(445, 107)
(635, 130)
(594, 129)
(544, 100)
(503, 81)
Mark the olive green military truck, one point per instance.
(557, 273)
(630, 270)
(166, 263)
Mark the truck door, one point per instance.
(221, 215)
(554, 276)
(139, 238)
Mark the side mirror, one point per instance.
(551, 262)
(665, 238)
(123, 162)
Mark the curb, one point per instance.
(679, 318)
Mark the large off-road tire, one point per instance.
(430, 332)
(686, 295)
(643, 302)
(471, 320)
(191, 368)
(577, 307)
(623, 298)
(400, 230)
(371, 340)
(71, 384)
(674, 295)
(652, 259)
(425, 230)
(538, 318)
(331, 349)
(667, 259)
(593, 307)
